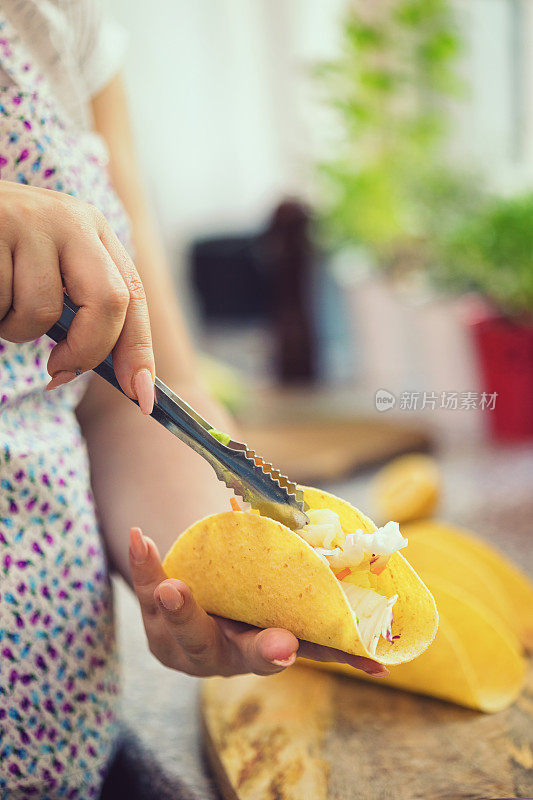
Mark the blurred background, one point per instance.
(344, 193)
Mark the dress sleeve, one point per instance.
(103, 49)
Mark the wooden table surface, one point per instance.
(487, 489)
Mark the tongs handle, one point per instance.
(59, 330)
(169, 410)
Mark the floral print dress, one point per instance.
(58, 666)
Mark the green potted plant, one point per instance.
(388, 184)
(491, 252)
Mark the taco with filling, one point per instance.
(485, 620)
(475, 660)
(338, 581)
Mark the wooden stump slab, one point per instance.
(311, 735)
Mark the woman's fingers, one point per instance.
(133, 357)
(273, 649)
(146, 572)
(318, 652)
(191, 628)
(184, 637)
(214, 646)
(180, 633)
(264, 652)
(35, 287)
(92, 282)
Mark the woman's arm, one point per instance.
(141, 474)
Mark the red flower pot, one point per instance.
(505, 354)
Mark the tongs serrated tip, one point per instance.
(259, 483)
(271, 475)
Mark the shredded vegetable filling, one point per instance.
(353, 554)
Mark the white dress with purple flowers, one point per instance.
(58, 667)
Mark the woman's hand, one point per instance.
(182, 636)
(49, 242)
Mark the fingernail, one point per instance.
(284, 662)
(143, 386)
(170, 597)
(139, 548)
(59, 379)
(379, 673)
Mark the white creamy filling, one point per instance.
(373, 611)
(323, 528)
(373, 614)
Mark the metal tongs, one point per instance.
(235, 464)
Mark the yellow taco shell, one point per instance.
(474, 660)
(505, 578)
(255, 570)
(427, 554)
(407, 488)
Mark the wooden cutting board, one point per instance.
(311, 735)
(317, 450)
